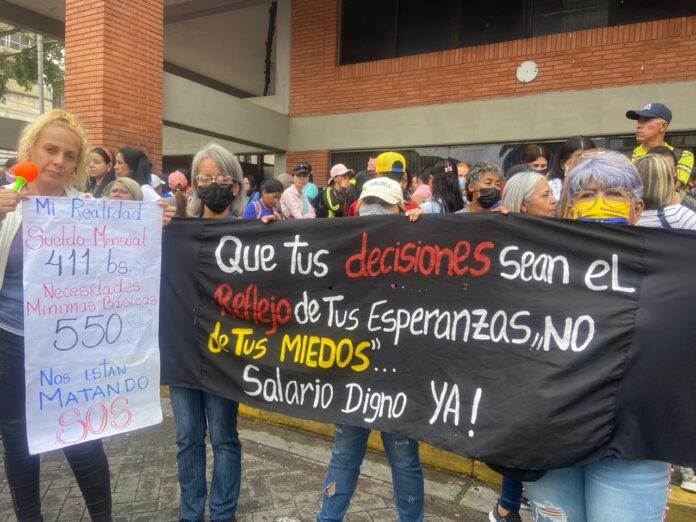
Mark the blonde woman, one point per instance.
(57, 144)
(663, 206)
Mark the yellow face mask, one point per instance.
(600, 209)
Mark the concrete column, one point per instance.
(114, 77)
(282, 53)
(280, 164)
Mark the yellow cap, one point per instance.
(386, 161)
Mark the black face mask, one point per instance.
(215, 197)
(488, 197)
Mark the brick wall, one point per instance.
(318, 159)
(114, 78)
(652, 52)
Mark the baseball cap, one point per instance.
(390, 162)
(155, 181)
(302, 167)
(651, 110)
(385, 189)
(176, 178)
(340, 170)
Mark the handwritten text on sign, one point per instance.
(91, 315)
(386, 322)
(479, 334)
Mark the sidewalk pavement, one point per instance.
(283, 473)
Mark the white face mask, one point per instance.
(10, 177)
(373, 209)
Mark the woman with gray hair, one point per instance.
(483, 186)
(529, 193)
(217, 180)
(216, 184)
(605, 187)
(123, 188)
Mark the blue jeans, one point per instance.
(347, 456)
(87, 460)
(511, 495)
(616, 490)
(191, 409)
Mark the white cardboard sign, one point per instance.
(91, 318)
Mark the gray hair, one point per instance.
(520, 189)
(285, 179)
(476, 173)
(228, 165)
(131, 185)
(607, 168)
(479, 169)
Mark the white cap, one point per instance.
(155, 180)
(385, 189)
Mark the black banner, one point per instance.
(525, 342)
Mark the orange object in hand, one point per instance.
(25, 172)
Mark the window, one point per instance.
(492, 21)
(503, 154)
(425, 26)
(368, 30)
(634, 11)
(562, 16)
(258, 165)
(372, 30)
(16, 41)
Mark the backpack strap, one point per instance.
(678, 153)
(257, 207)
(663, 219)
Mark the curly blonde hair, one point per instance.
(30, 135)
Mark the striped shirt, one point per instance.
(677, 216)
(295, 205)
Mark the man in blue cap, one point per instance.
(651, 126)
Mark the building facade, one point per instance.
(467, 102)
(345, 79)
(18, 103)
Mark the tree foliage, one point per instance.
(22, 66)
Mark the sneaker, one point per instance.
(493, 516)
(688, 480)
(524, 502)
(676, 477)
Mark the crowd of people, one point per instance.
(654, 188)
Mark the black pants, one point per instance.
(87, 460)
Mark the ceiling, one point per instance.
(228, 47)
(222, 40)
